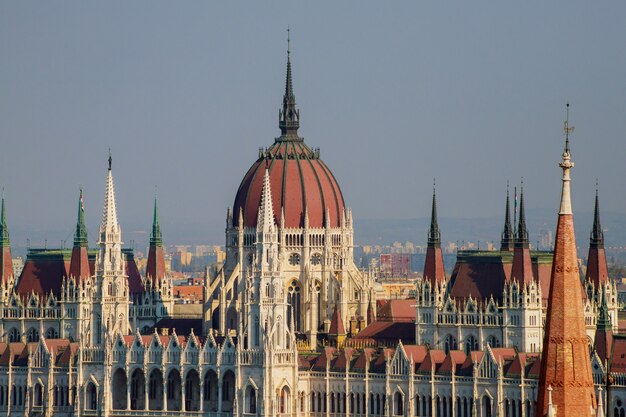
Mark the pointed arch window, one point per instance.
(294, 299)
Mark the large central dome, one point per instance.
(300, 182)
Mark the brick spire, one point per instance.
(6, 262)
(79, 264)
(506, 244)
(155, 267)
(433, 264)
(565, 362)
(597, 270)
(522, 269)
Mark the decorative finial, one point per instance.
(288, 40)
(110, 159)
(567, 128)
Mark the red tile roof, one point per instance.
(397, 311)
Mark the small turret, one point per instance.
(155, 267)
(79, 264)
(603, 340)
(337, 331)
(522, 269)
(433, 264)
(597, 269)
(6, 262)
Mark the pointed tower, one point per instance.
(565, 362)
(506, 244)
(597, 270)
(155, 268)
(289, 115)
(337, 331)
(79, 264)
(603, 340)
(433, 265)
(110, 266)
(522, 269)
(6, 262)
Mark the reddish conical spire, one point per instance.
(336, 324)
(6, 262)
(433, 264)
(79, 264)
(597, 270)
(155, 267)
(522, 269)
(565, 362)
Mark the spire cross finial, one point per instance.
(288, 40)
(566, 128)
(110, 159)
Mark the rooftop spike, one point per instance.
(289, 116)
(155, 237)
(109, 213)
(6, 263)
(434, 236)
(596, 239)
(4, 229)
(80, 236)
(506, 243)
(521, 237)
(566, 165)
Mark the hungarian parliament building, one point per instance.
(290, 325)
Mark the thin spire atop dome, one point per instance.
(289, 116)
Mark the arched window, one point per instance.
(14, 335)
(38, 395)
(493, 341)
(284, 400)
(293, 299)
(32, 335)
(51, 333)
(398, 404)
(450, 343)
(618, 411)
(486, 406)
(250, 400)
(471, 344)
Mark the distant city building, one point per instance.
(395, 265)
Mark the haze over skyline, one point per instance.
(184, 96)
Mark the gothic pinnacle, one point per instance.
(434, 236)
(507, 233)
(4, 229)
(597, 236)
(80, 236)
(289, 116)
(521, 238)
(156, 239)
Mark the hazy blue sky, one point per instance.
(394, 94)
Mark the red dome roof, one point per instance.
(299, 181)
